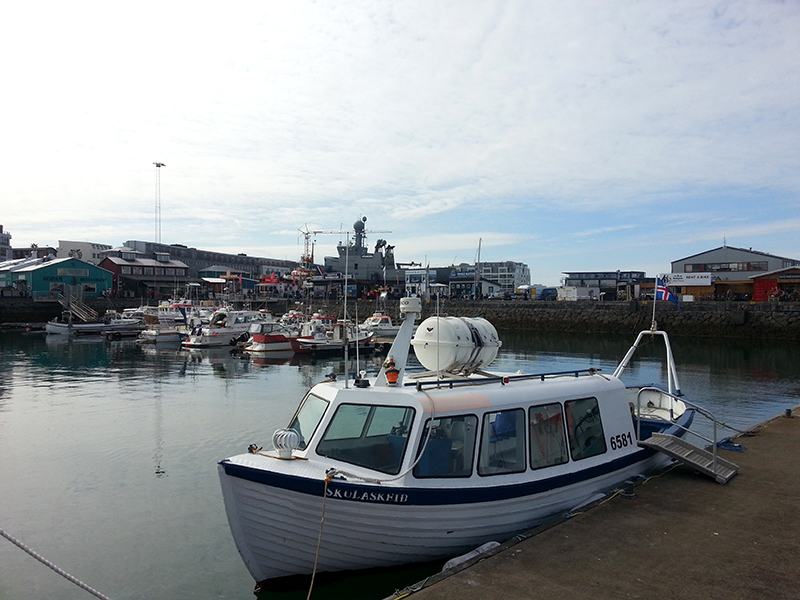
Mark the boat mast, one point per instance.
(477, 270)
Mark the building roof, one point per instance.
(746, 250)
(42, 263)
(147, 262)
(772, 274)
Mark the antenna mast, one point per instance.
(158, 200)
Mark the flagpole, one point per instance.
(653, 324)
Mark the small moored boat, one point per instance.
(112, 322)
(270, 337)
(225, 328)
(409, 467)
(380, 325)
(343, 333)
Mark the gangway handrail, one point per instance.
(696, 407)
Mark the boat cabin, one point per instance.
(463, 433)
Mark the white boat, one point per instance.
(334, 340)
(111, 323)
(440, 462)
(163, 334)
(380, 325)
(226, 327)
(270, 337)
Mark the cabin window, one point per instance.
(450, 447)
(307, 419)
(502, 443)
(585, 428)
(369, 436)
(548, 444)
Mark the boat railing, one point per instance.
(502, 379)
(697, 408)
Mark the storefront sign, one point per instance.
(672, 279)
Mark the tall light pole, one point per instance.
(158, 200)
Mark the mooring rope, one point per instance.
(319, 538)
(331, 473)
(47, 563)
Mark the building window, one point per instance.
(137, 270)
(125, 270)
(148, 270)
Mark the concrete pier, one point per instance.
(683, 537)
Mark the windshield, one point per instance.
(307, 419)
(369, 436)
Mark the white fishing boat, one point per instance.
(226, 327)
(380, 325)
(112, 322)
(334, 340)
(160, 333)
(408, 467)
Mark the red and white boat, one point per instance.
(270, 337)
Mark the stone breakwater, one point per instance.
(762, 320)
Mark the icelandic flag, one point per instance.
(664, 293)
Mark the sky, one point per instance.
(567, 135)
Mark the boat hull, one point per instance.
(275, 519)
(161, 336)
(58, 328)
(221, 337)
(270, 343)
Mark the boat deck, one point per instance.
(682, 537)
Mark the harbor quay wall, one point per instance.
(763, 320)
(696, 319)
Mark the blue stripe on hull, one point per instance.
(428, 496)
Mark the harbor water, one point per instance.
(108, 450)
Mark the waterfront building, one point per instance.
(198, 260)
(465, 287)
(731, 271)
(620, 285)
(507, 274)
(48, 278)
(782, 285)
(5, 245)
(92, 252)
(33, 251)
(138, 275)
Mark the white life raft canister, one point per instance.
(456, 344)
